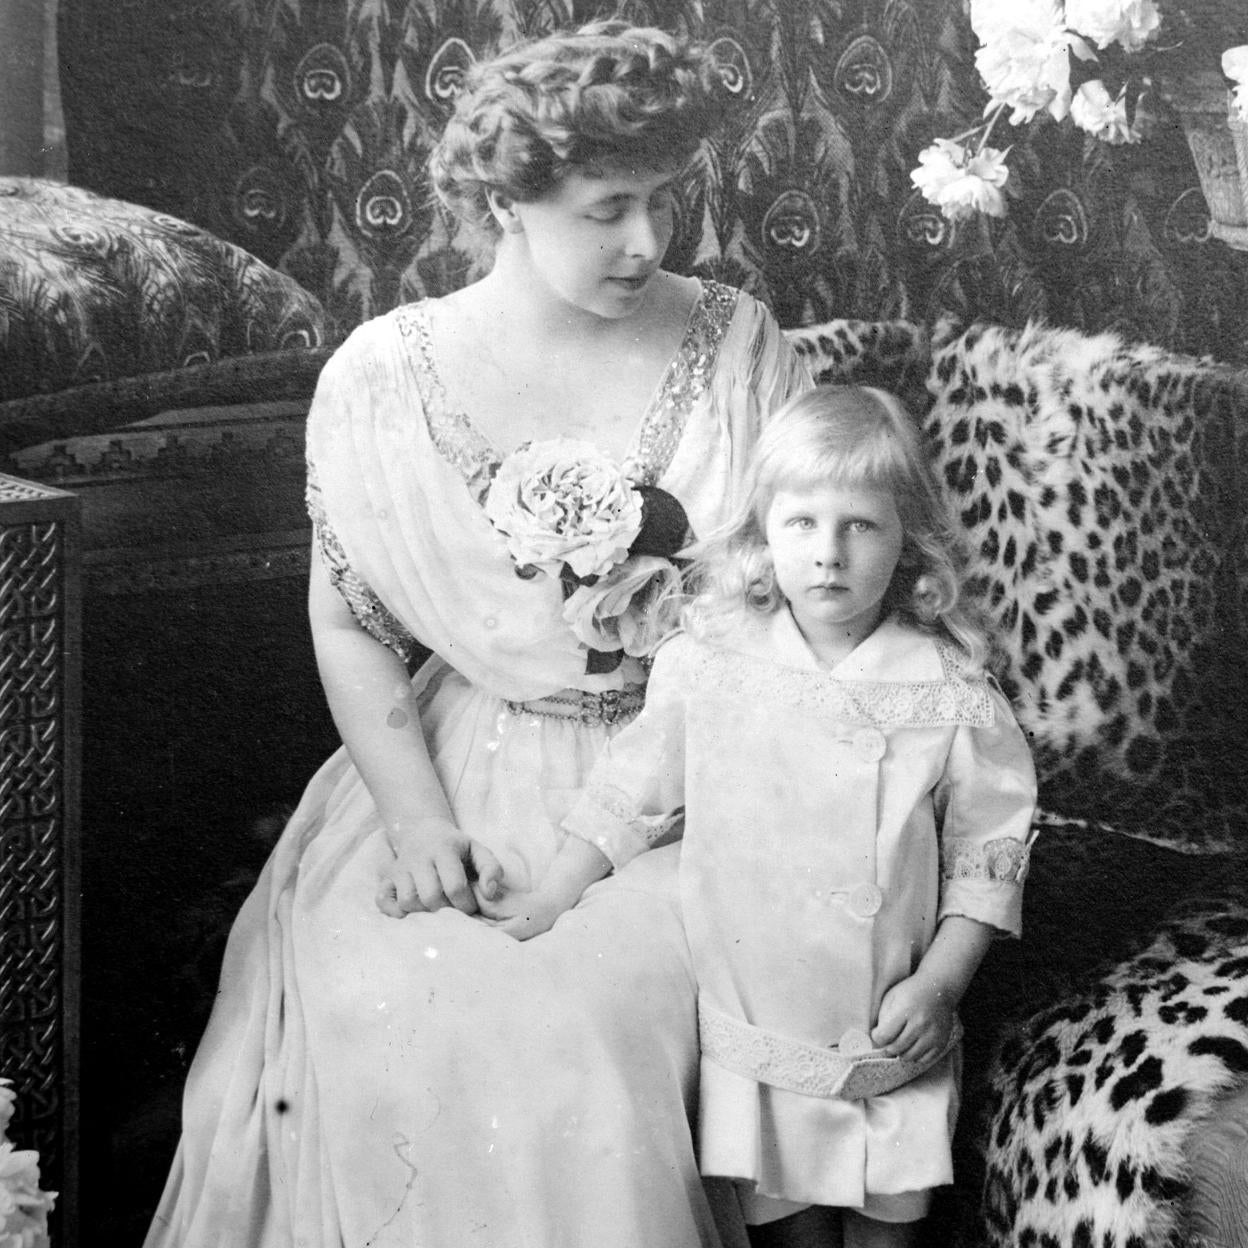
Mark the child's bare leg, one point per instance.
(815, 1227)
(864, 1232)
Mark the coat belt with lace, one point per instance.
(798, 1066)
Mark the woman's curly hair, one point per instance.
(608, 94)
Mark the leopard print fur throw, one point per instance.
(1092, 1103)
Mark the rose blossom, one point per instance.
(1235, 67)
(1025, 64)
(19, 1177)
(25, 1231)
(960, 183)
(23, 1207)
(989, 18)
(1132, 23)
(1093, 110)
(563, 501)
(614, 613)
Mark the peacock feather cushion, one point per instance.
(1096, 483)
(93, 290)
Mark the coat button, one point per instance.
(869, 744)
(866, 900)
(854, 1043)
(490, 622)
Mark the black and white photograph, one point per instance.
(623, 623)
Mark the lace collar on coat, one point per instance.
(897, 677)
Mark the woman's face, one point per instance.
(596, 241)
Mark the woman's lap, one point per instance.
(431, 1081)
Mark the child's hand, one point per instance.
(523, 914)
(530, 912)
(916, 1020)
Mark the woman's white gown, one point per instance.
(429, 1082)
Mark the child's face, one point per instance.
(596, 241)
(835, 549)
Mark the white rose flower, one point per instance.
(1095, 111)
(19, 1173)
(564, 502)
(961, 183)
(1131, 23)
(990, 18)
(23, 1207)
(25, 1230)
(1235, 67)
(622, 610)
(1025, 62)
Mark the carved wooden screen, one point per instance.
(39, 898)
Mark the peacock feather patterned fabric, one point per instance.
(95, 289)
(299, 129)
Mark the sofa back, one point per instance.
(1099, 487)
(299, 131)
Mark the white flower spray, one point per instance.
(1027, 51)
(24, 1208)
(1235, 67)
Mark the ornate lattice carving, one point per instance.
(38, 813)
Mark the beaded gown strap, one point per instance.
(686, 380)
(369, 611)
(454, 436)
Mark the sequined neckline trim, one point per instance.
(686, 380)
(658, 435)
(456, 438)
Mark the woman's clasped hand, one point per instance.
(436, 865)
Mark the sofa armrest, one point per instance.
(1095, 1104)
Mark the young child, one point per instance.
(857, 803)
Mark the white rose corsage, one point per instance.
(24, 1208)
(568, 510)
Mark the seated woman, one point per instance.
(384, 1066)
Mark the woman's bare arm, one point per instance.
(375, 711)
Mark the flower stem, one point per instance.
(992, 121)
(966, 134)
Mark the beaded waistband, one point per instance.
(613, 706)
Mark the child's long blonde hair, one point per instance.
(848, 436)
